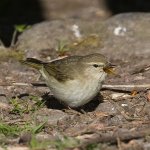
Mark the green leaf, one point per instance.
(21, 28)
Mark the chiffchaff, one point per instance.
(74, 80)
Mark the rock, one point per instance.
(127, 34)
(51, 116)
(106, 107)
(45, 36)
(117, 119)
(121, 35)
(44, 39)
(116, 96)
(25, 138)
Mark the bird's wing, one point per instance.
(59, 74)
(64, 69)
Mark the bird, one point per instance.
(73, 80)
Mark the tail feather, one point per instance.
(32, 62)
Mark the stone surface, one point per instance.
(124, 34)
(51, 116)
(45, 36)
(42, 40)
(128, 34)
(106, 107)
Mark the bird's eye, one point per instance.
(95, 65)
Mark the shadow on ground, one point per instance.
(52, 103)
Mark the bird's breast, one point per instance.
(76, 93)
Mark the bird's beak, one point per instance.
(110, 69)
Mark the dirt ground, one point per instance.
(30, 116)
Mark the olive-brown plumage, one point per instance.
(73, 80)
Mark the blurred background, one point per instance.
(16, 12)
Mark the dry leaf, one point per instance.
(133, 93)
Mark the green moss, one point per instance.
(29, 105)
(15, 130)
(6, 54)
(63, 144)
(36, 145)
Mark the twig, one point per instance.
(104, 86)
(101, 137)
(15, 84)
(23, 84)
(127, 86)
(140, 70)
(13, 39)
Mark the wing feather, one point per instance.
(55, 71)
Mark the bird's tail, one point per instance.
(32, 62)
